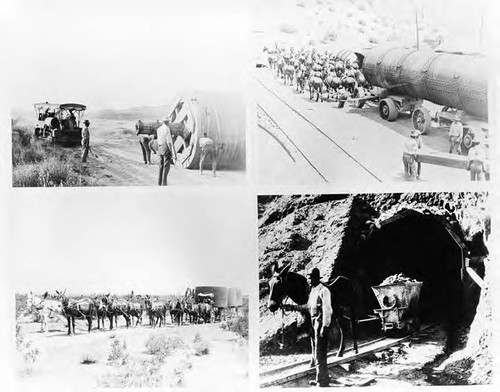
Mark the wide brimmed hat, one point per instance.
(314, 272)
(86, 122)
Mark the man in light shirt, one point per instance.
(165, 148)
(208, 150)
(455, 136)
(320, 308)
(410, 151)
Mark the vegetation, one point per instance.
(200, 345)
(37, 165)
(118, 355)
(88, 359)
(28, 353)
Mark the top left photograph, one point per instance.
(119, 93)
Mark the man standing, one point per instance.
(165, 148)
(476, 160)
(455, 135)
(320, 308)
(85, 140)
(207, 151)
(411, 147)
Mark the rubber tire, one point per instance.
(423, 112)
(467, 140)
(387, 109)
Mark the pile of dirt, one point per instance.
(326, 231)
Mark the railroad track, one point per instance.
(298, 370)
(327, 139)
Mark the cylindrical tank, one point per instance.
(454, 80)
(347, 55)
(222, 116)
(234, 297)
(52, 122)
(220, 294)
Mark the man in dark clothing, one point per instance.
(85, 140)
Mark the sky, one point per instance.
(121, 53)
(149, 240)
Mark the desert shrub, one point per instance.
(50, 172)
(88, 359)
(177, 377)
(136, 373)
(118, 354)
(288, 28)
(200, 345)
(238, 325)
(161, 346)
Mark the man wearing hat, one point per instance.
(165, 148)
(411, 147)
(320, 308)
(208, 151)
(455, 135)
(85, 140)
(476, 160)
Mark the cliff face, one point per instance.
(379, 235)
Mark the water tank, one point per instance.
(234, 297)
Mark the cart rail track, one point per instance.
(298, 370)
(353, 158)
(289, 140)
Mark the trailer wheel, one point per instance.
(387, 109)
(467, 140)
(421, 120)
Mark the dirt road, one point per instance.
(119, 161)
(340, 146)
(61, 358)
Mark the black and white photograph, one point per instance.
(383, 290)
(372, 92)
(162, 303)
(119, 93)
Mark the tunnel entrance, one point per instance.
(422, 247)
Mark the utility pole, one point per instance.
(416, 26)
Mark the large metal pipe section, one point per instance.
(220, 294)
(222, 116)
(448, 79)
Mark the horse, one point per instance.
(192, 311)
(206, 312)
(284, 283)
(135, 310)
(101, 311)
(43, 307)
(332, 83)
(77, 309)
(349, 84)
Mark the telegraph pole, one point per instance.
(416, 26)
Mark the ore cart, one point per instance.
(398, 305)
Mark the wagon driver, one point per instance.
(85, 140)
(320, 308)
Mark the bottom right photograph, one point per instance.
(385, 290)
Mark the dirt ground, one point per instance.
(60, 357)
(119, 161)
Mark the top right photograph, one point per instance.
(370, 91)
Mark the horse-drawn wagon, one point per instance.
(398, 305)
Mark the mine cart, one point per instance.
(398, 305)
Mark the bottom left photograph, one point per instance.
(132, 301)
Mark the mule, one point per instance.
(43, 307)
(156, 311)
(83, 308)
(315, 86)
(115, 308)
(284, 283)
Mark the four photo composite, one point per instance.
(246, 194)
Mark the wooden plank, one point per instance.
(475, 277)
(443, 159)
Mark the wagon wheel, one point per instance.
(421, 120)
(467, 141)
(387, 109)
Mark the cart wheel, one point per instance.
(467, 140)
(421, 120)
(387, 109)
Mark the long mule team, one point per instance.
(131, 307)
(334, 76)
